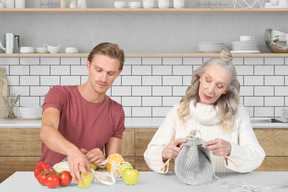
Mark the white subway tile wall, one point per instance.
(150, 86)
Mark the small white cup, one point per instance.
(134, 4)
(1, 5)
(149, 4)
(71, 50)
(268, 5)
(119, 4)
(247, 38)
(178, 3)
(162, 4)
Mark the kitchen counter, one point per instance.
(134, 123)
(148, 181)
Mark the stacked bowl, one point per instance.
(247, 44)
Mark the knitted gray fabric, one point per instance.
(193, 164)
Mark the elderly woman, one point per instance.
(211, 105)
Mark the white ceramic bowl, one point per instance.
(26, 49)
(210, 47)
(29, 112)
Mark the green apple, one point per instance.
(85, 181)
(93, 166)
(120, 169)
(130, 176)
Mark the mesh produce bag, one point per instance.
(193, 164)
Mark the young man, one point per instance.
(78, 121)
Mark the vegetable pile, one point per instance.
(47, 176)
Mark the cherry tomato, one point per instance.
(52, 180)
(41, 178)
(65, 178)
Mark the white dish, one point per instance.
(27, 50)
(277, 7)
(245, 51)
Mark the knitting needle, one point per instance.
(163, 166)
(238, 164)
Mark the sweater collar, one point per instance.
(204, 114)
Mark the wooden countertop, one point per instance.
(132, 123)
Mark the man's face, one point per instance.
(103, 70)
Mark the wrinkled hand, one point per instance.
(77, 162)
(219, 147)
(94, 156)
(171, 151)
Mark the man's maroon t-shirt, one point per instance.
(86, 125)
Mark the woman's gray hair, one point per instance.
(227, 104)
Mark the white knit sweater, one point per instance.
(245, 147)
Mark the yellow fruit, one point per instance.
(86, 181)
(114, 159)
(120, 169)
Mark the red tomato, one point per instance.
(52, 180)
(65, 178)
(36, 173)
(41, 178)
(42, 167)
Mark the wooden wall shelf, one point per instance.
(149, 55)
(183, 11)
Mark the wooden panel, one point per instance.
(20, 142)
(142, 138)
(274, 164)
(274, 141)
(128, 143)
(9, 165)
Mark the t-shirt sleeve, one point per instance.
(120, 127)
(54, 99)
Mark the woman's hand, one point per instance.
(219, 147)
(95, 156)
(172, 150)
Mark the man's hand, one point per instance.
(172, 150)
(77, 162)
(219, 147)
(95, 156)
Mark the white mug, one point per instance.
(119, 4)
(81, 3)
(164, 4)
(134, 4)
(283, 3)
(178, 3)
(20, 4)
(9, 4)
(149, 3)
(247, 38)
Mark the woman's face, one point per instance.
(213, 83)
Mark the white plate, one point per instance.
(245, 51)
(279, 7)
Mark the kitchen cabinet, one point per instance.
(148, 55)
(141, 11)
(43, 11)
(21, 148)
